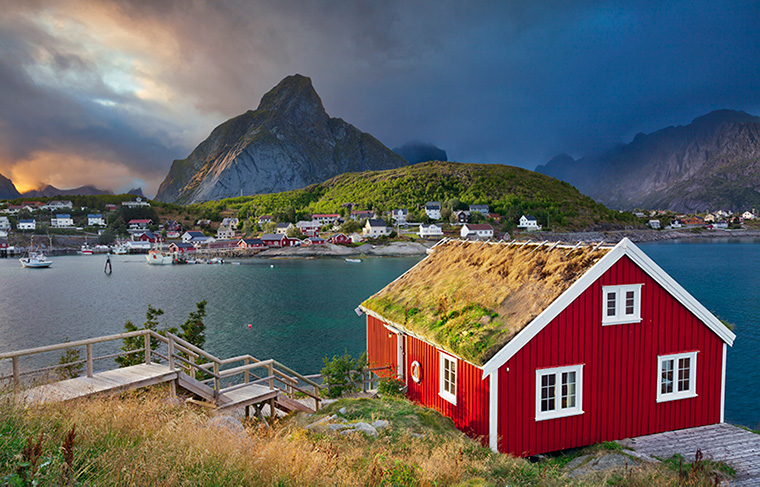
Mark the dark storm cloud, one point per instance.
(514, 82)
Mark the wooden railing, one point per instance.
(90, 358)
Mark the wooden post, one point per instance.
(270, 368)
(171, 352)
(147, 348)
(316, 400)
(272, 415)
(16, 375)
(217, 385)
(89, 360)
(247, 376)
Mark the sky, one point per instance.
(109, 93)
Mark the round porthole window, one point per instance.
(416, 372)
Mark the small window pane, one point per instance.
(666, 381)
(683, 374)
(629, 301)
(568, 390)
(548, 392)
(611, 304)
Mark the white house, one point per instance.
(282, 228)
(721, 224)
(430, 231)
(655, 224)
(95, 219)
(433, 210)
(748, 215)
(5, 224)
(529, 223)
(375, 228)
(62, 221)
(399, 215)
(479, 230)
(483, 209)
(135, 204)
(709, 218)
(325, 218)
(57, 205)
(230, 222)
(26, 224)
(362, 214)
(194, 237)
(225, 232)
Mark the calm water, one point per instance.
(302, 310)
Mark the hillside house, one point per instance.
(5, 223)
(399, 215)
(557, 346)
(282, 228)
(654, 224)
(462, 216)
(225, 232)
(433, 210)
(137, 203)
(26, 224)
(275, 240)
(111, 207)
(149, 237)
(339, 239)
(482, 209)
(251, 243)
(325, 218)
(230, 223)
(529, 223)
(362, 214)
(195, 237)
(375, 228)
(709, 218)
(719, 225)
(181, 248)
(95, 220)
(693, 221)
(314, 241)
(57, 205)
(140, 223)
(430, 231)
(482, 231)
(495, 217)
(676, 224)
(264, 219)
(748, 215)
(308, 228)
(12, 209)
(62, 220)
(223, 244)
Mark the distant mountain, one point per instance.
(712, 163)
(50, 191)
(416, 152)
(288, 142)
(136, 192)
(8, 190)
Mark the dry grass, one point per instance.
(143, 439)
(472, 298)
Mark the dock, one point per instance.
(220, 384)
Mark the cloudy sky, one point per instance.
(109, 93)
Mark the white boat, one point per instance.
(353, 260)
(35, 260)
(120, 250)
(85, 250)
(156, 257)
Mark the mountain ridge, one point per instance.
(8, 189)
(288, 142)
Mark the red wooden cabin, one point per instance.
(539, 348)
(275, 240)
(339, 239)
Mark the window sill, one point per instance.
(448, 397)
(558, 414)
(622, 322)
(676, 397)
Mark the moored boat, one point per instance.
(156, 257)
(35, 260)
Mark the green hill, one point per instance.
(509, 191)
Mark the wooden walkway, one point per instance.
(723, 442)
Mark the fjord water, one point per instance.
(302, 310)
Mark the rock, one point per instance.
(322, 421)
(577, 462)
(227, 423)
(604, 463)
(366, 428)
(381, 423)
(342, 410)
(338, 426)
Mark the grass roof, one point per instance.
(471, 298)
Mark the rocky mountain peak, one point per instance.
(295, 99)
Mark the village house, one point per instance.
(149, 237)
(675, 224)
(693, 221)
(264, 219)
(57, 205)
(482, 231)
(339, 239)
(5, 223)
(719, 225)
(325, 218)
(12, 209)
(709, 218)
(181, 248)
(722, 214)
(203, 223)
(221, 244)
(462, 216)
(433, 210)
(62, 220)
(194, 237)
(224, 232)
(375, 228)
(482, 209)
(356, 238)
(748, 215)
(399, 215)
(230, 222)
(111, 207)
(654, 224)
(95, 220)
(140, 224)
(430, 231)
(557, 346)
(251, 243)
(495, 217)
(529, 223)
(26, 224)
(282, 228)
(314, 241)
(173, 229)
(357, 215)
(275, 240)
(308, 228)
(31, 205)
(137, 203)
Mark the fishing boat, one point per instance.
(85, 250)
(35, 259)
(156, 257)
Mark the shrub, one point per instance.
(391, 387)
(343, 374)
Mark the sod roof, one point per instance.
(472, 298)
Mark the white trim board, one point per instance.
(623, 248)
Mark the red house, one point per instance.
(251, 243)
(275, 240)
(339, 239)
(181, 247)
(149, 237)
(544, 347)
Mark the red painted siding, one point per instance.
(471, 411)
(620, 376)
(381, 347)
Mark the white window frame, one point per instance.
(676, 394)
(558, 411)
(442, 391)
(620, 316)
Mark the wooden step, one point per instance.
(245, 396)
(195, 386)
(289, 405)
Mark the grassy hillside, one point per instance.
(510, 192)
